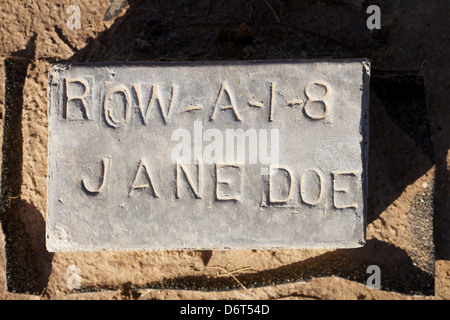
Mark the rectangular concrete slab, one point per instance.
(207, 155)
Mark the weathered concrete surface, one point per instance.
(143, 156)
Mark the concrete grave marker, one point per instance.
(207, 155)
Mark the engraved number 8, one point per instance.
(311, 99)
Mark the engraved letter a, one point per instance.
(231, 105)
(135, 186)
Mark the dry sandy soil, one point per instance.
(408, 222)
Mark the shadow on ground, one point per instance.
(28, 264)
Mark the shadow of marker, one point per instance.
(397, 271)
(26, 270)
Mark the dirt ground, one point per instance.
(408, 220)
